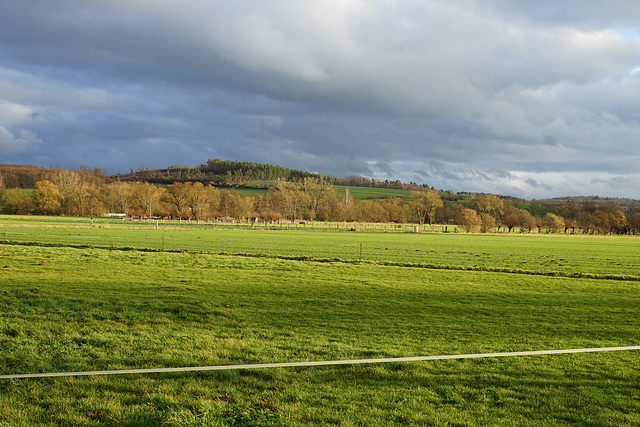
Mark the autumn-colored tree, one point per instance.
(262, 206)
(425, 204)
(80, 192)
(332, 207)
(84, 198)
(526, 221)
(491, 205)
(487, 222)
(468, 219)
(511, 217)
(600, 221)
(618, 222)
(316, 198)
(2, 190)
(202, 199)
(371, 211)
(569, 224)
(46, 198)
(554, 223)
(633, 222)
(585, 222)
(273, 205)
(17, 202)
(569, 210)
(66, 181)
(397, 210)
(289, 200)
(243, 208)
(348, 198)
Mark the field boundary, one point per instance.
(318, 363)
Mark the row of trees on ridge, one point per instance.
(85, 193)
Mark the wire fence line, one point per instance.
(318, 363)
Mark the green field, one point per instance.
(358, 193)
(364, 193)
(614, 257)
(77, 298)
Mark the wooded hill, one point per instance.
(233, 173)
(26, 176)
(217, 172)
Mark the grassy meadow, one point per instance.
(358, 193)
(75, 298)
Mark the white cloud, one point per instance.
(13, 114)
(25, 142)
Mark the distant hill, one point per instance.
(23, 176)
(255, 175)
(26, 176)
(618, 202)
(217, 171)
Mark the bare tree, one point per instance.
(66, 181)
(178, 197)
(199, 198)
(148, 196)
(118, 197)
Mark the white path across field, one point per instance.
(319, 363)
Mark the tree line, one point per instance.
(70, 193)
(493, 213)
(89, 193)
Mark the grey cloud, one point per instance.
(494, 93)
(384, 168)
(532, 182)
(586, 14)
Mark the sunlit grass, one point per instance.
(92, 309)
(616, 257)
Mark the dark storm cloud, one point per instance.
(535, 98)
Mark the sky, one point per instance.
(532, 99)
